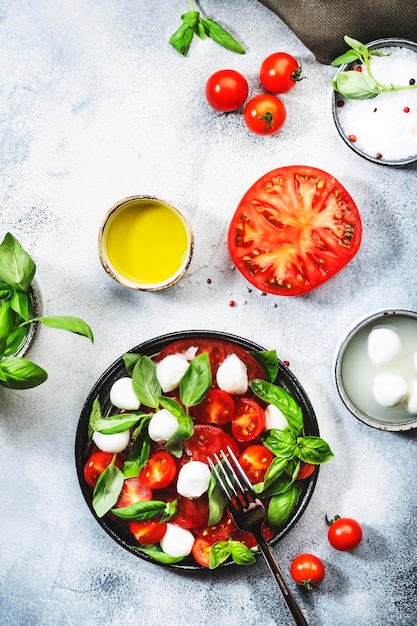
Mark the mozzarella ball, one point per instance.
(162, 425)
(177, 542)
(274, 418)
(114, 442)
(384, 345)
(412, 399)
(193, 479)
(170, 370)
(123, 395)
(390, 389)
(232, 375)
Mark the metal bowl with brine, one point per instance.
(116, 528)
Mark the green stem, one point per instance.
(190, 2)
(381, 87)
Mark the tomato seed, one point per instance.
(352, 138)
(406, 109)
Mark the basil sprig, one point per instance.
(222, 550)
(361, 85)
(194, 24)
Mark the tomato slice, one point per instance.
(207, 441)
(248, 421)
(201, 551)
(133, 490)
(159, 470)
(218, 407)
(295, 228)
(96, 464)
(218, 532)
(148, 532)
(191, 513)
(255, 460)
(306, 469)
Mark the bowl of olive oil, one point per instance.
(145, 243)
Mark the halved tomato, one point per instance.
(148, 531)
(191, 513)
(133, 490)
(207, 441)
(248, 421)
(159, 470)
(201, 551)
(295, 228)
(218, 532)
(255, 460)
(96, 464)
(218, 407)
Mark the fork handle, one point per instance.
(290, 601)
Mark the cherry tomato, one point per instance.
(280, 72)
(255, 460)
(201, 551)
(265, 114)
(218, 532)
(306, 469)
(295, 228)
(96, 464)
(207, 441)
(191, 513)
(226, 90)
(248, 421)
(344, 533)
(159, 470)
(307, 570)
(148, 532)
(218, 407)
(133, 491)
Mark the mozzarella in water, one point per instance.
(412, 400)
(123, 395)
(390, 389)
(193, 479)
(114, 442)
(177, 542)
(170, 370)
(274, 418)
(162, 425)
(232, 375)
(384, 345)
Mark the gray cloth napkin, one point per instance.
(322, 24)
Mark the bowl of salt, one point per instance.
(380, 126)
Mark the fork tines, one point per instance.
(233, 481)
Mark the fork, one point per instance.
(249, 513)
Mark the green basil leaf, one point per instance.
(107, 489)
(313, 450)
(17, 268)
(20, 373)
(280, 442)
(145, 382)
(185, 428)
(275, 470)
(137, 455)
(281, 506)
(268, 360)
(157, 554)
(170, 510)
(141, 511)
(218, 34)
(357, 46)
(6, 291)
(355, 85)
(182, 38)
(171, 405)
(348, 57)
(6, 320)
(196, 381)
(241, 553)
(283, 483)
(272, 394)
(95, 415)
(15, 340)
(117, 423)
(219, 553)
(19, 302)
(67, 322)
(216, 502)
(130, 361)
(191, 18)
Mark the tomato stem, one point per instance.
(330, 521)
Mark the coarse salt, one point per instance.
(384, 127)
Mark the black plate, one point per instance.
(285, 379)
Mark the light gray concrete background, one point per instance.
(95, 106)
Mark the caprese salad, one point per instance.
(147, 466)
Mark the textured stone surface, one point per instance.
(96, 106)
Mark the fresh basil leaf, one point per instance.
(275, 470)
(282, 484)
(268, 360)
(171, 405)
(192, 18)
(130, 361)
(355, 85)
(219, 553)
(185, 428)
(216, 502)
(67, 322)
(218, 34)
(6, 291)
(313, 450)
(240, 553)
(14, 341)
(357, 46)
(280, 442)
(137, 455)
(348, 57)
(170, 510)
(95, 415)
(272, 394)
(281, 506)
(17, 268)
(19, 302)
(107, 489)
(6, 320)
(20, 373)
(196, 381)
(182, 38)
(117, 423)
(145, 382)
(155, 553)
(141, 511)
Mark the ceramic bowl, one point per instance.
(382, 129)
(356, 372)
(145, 243)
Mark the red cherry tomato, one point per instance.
(344, 533)
(248, 421)
(218, 407)
(306, 469)
(255, 460)
(265, 114)
(159, 470)
(201, 551)
(133, 491)
(207, 441)
(148, 532)
(280, 72)
(96, 464)
(307, 570)
(226, 90)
